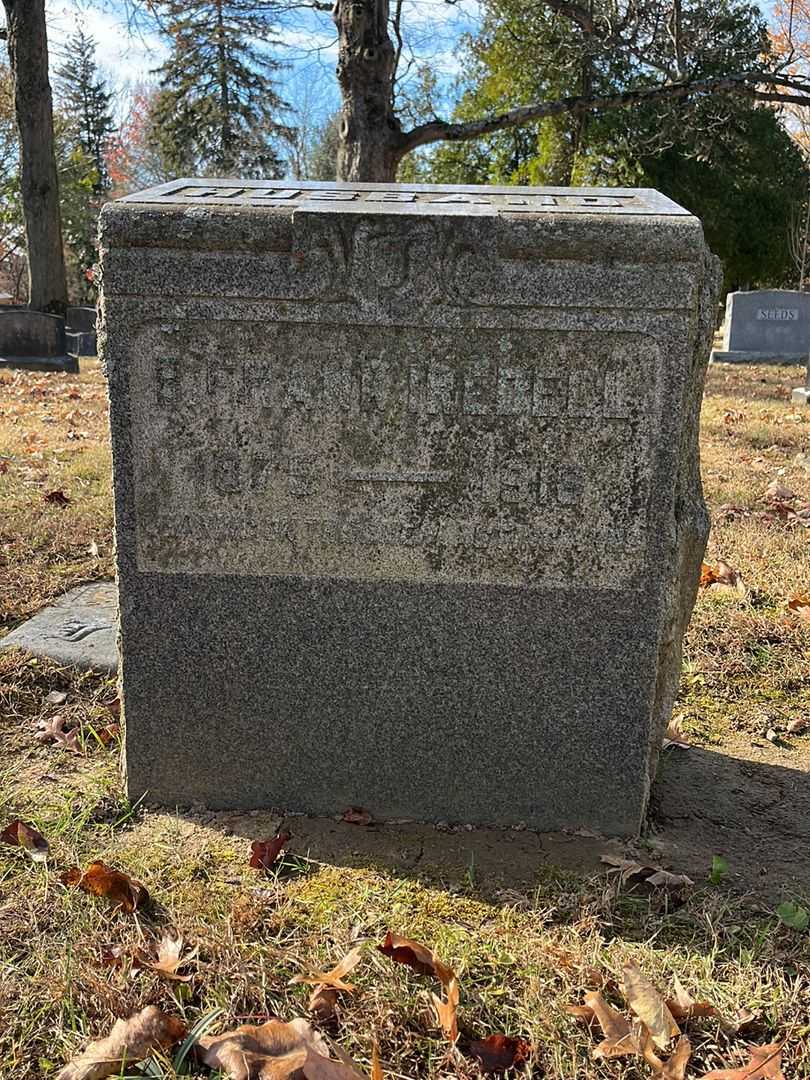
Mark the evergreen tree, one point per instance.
(84, 98)
(217, 109)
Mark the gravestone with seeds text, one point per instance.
(408, 509)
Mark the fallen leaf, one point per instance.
(168, 958)
(56, 697)
(651, 875)
(59, 498)
(765, 1064)
(675, 1067)
(263, 853)
(18, 834)
(333, 978)
(273, 1051)
(106, 735)
(800, 604)
(721, 575)
(665, 879)
(92, 550)
(648, 1005)
(356, 815)
(619, 1037)
(796, 727)
(403, 950)
(53, 731)
(497, 1053)
(684, 1007)
(447, 1011)
(323, 1004)
(129, 1041)
(102, 880)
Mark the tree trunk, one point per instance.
(371, 142)
(28, 53)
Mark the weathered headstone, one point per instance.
(408, 508)
(31, 339)
(768, 326)
(80, 331)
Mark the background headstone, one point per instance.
(31, 339)
(801, 395)
(408, 508)
(80, 331)
(768, 326)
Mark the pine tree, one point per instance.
(83, 96)
(217, 108)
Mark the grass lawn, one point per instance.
(527, 931)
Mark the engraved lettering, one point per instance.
(167, 382)
(441, 389)
(514, 391)
(616, 405)
(332, 195)
(391, 196)
(477, 389)
(550, 396)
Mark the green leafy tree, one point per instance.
(217, 109)
(726, 159)
(85, 102)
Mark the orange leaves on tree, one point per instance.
(19, 834)
(102, 880)
(264, 853)
(129, 1041)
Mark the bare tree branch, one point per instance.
(750, 84)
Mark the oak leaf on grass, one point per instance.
(263, 853)
(619, 1037)
(497, 1053)
(447, 1010)
(53, 730)
(19, 834)
(765, 1064)
(102, 880)
(404, 950)
(129, 1041)
(273, 1051)
(168, 958)
(648, 1005)
(684, 1007)
(324, 998)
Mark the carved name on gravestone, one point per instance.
(407, 501)
(766, 326)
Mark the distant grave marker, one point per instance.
(768, 326)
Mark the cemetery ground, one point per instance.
(528, 924)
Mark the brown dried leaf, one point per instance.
(333, 978)
(447, 1011)
(648, 1005)
(765, 1064)
(620, 1039)
(53, 731)
(270, 1051)
(675, 1067)
(323, 1004)
(273, 1051)
(497, 1053)
(169, 958)
(356, 815)
(800, 604)
(129, 1041)
(684, 1007)
(664, 879)
(403, 950)
(102, 880)
(25, 836)
(59, 498)
(652, 875)
(263, 853)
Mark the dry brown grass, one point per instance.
(523, 952)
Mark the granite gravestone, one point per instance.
(33, 340)
(768, 326)
(801, 395)
(408, 508)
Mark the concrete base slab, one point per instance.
(801, 395)
(80, 629)
(69, 364)
(740, 356)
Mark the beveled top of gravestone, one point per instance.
(428, 199)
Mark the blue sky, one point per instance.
(434, 29)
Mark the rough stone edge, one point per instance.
(690, 527)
